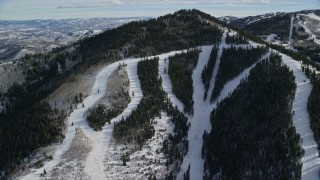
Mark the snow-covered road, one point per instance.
(311, 160)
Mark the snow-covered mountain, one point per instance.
(296, 30)
(228, 19)
(183, 96)
(18, 38)
(244, 21)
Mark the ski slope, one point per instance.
(167, 85)
(200, 121)
(313, 16)
(310, 160)
(99, 140)
(78, 118)
(222, 45)
(307, 27)
(102, 142)
(94, 164)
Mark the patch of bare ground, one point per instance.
(117, 89)
(12, 72)
(114, 101)
(78, 84)
(73, 160)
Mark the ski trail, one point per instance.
(106, 138)
(313, 16)
(197, 121)
(200, 120)
(107, 132)
(291, 29)
(93, 161)
(202, 109)
(94, 164)
(222, 45)
(231, 85)
(310, 160)
(166, 83)
(77, 117)
(308, 31)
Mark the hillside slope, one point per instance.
(155, 136)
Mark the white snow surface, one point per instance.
(307, 29)
(166, 83)
(301, 119)
(313, 16)
(200, 120)
(271, 37)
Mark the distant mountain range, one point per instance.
(296, 30)
(18, 38)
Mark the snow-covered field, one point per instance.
(311, 160)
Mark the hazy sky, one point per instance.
(66, 9)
